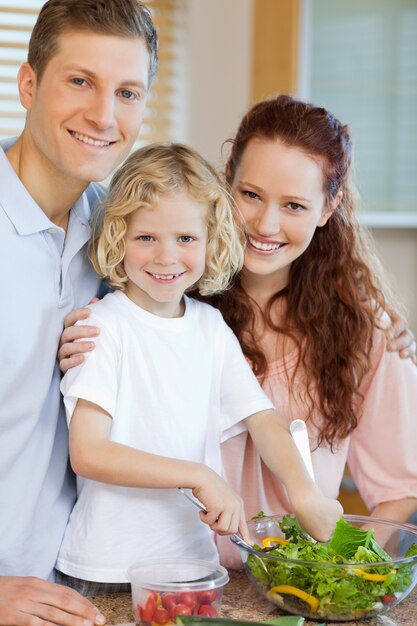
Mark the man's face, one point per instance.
(86, 111)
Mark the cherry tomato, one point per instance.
(147, 610)
(388, 598)
(208, 610)
(186, 597)
(137, 612)
(206, 597)
(161, 616)
(179, 609)
(168, 600)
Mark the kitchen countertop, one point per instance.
(241, 601)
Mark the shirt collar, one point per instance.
(22, 210)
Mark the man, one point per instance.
(84, 87)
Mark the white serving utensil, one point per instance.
(198, 504)
(298, 430)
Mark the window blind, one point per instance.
(364, 69)
(162, 120)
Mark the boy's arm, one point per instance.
(315, 512)
(93, 455)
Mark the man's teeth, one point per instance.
(264, 246)
(165, 276)
(89, 140)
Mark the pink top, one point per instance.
(381, 453)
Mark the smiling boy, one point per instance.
(84, 88)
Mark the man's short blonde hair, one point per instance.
(150, 173)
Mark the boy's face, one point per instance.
(165, 252)
(86, 111)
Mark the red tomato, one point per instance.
(168, 600)
(148, 609)
(206, 597)
(179, 609)
(388, 598)
(186, 597)
(137, 612)
(161, 616)
(208, 610)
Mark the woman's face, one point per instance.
(279, 191)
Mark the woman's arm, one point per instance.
(72, 347)
(398, 510)
(382, 449)
(93, 455)
(315, 512)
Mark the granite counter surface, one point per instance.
(242, 601)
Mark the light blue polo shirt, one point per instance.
(44, 276)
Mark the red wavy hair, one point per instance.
(334, 297)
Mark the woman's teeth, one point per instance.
(264, 246)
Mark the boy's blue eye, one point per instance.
(144, 238)
(186, 238)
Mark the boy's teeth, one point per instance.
(264, 246)
(89, 140)
(165, 276)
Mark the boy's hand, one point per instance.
(71, 347)
(30, 600)
(316, 513)
(225, 512)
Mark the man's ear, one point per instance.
(26, 81)
(330, 208)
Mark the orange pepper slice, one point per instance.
(312, 602)
(268, 541)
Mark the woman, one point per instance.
(308, 309)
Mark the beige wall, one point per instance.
(397, 249)
(219, 40)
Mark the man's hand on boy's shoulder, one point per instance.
(71, 345)
(28, 601)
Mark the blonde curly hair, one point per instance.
(150, 173)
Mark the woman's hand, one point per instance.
(316, 513)
(31, 601)
(71, 345)
(400, 338)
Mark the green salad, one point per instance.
(335, 592)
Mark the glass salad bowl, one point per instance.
(348, 578)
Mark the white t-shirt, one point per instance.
(176, 387)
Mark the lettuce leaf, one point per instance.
(347, 540)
